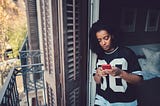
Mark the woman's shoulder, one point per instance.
(126, 50)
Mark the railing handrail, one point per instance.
(24, 42)
(37, 64)
(4, 87)
(27, 51)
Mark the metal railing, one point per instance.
(31, 70)
(33, 73)
(9, 94)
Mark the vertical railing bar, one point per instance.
(4, 87)
(9, 91)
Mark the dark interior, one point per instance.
(149, 92)
(111, 13)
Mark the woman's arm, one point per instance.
(115, 71)
(129, 77)
(97, 78)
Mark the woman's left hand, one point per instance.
(114, 71)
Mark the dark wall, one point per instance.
(111, 13)
(149, 92)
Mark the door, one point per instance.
(72, 54)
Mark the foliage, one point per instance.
(12, 25)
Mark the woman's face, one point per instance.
(104, 39)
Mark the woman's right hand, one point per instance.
(101, 72)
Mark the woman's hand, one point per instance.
(114, 71)
(101, 72)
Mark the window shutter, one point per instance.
(72, 52)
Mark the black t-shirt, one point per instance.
(115, 89)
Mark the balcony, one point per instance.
(32, 73)
(9, 93)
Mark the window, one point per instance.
(152, 20)
(128, 19)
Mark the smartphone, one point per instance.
(106, 66)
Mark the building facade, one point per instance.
(55, 28)
(59, 29)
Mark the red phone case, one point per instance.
(106, 66)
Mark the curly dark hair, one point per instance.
(94, 44)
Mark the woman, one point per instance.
(115, 86)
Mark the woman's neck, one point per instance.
(112, 50)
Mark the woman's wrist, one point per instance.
(118, 72)
(97, 78)
(122, 74)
